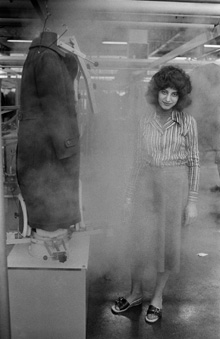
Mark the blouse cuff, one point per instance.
(193, 196)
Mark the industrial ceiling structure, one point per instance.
(120, 35)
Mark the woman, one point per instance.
(163, 189)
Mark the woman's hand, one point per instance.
(190, 213)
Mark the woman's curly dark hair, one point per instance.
(173, 77)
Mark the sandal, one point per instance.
(122, 305)
(157, 312)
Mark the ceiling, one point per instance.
(146, 34)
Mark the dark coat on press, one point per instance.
(48, 152)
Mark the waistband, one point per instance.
(166, 166)
(163, 169)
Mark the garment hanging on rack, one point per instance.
(48, 154)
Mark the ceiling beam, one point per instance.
(158, 24)
(164, 45)
(150, 7)
(205, 55)
(143, 17)
(107, 63)
(197, 41)
(38, 9)
(200, 1)
(139, 65)
(17, 21)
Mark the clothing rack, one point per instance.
(81, 57)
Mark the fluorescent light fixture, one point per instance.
(112, 57)
(107, 78)
(114, 43)
(180, 58)
(212, 46)
(17, 54)
(147, 79)
(17, 40)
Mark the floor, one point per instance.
(191, 307)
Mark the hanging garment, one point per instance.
(48, 152)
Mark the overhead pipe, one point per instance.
(158, 24)
(151, 7)
(5, 326)
(139, 64)
(11, 61)
(200, 1)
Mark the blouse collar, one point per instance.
(175, 117)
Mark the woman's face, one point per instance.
(167, 98)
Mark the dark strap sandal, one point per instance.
(157, 312)
(122, 305)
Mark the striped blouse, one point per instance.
(173, 144)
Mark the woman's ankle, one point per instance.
(134, 296)
(157, 301)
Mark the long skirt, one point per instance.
(159, 202)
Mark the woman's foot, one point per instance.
(123, 304)
(153, 314)
(154, 311)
